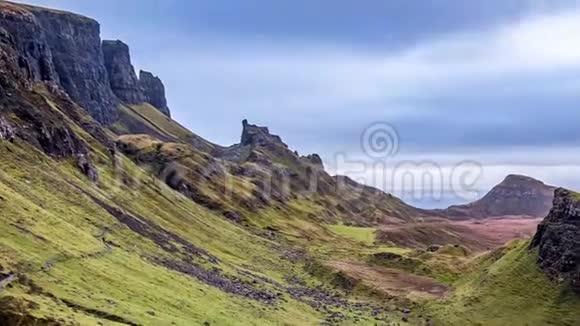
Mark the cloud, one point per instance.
(308, 75)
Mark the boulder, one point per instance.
(6, 130)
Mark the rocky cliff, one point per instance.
(154, 91)
(63, 48)
(124, 82)
(78, 60)
(517, 195)
(558, 239)
(26, 116)
(29, 38)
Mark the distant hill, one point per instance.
(516, 195)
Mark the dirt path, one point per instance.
(392, 281)
(107, 249)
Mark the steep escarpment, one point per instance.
(28, 116)
(29, 38)
(154, 91)
(558, 239)
(64, 50)
(75, 44)
(517, 195)
(124, 82)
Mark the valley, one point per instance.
(112, 213)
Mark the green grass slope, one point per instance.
(508, 288)
(55, 241)
(145, 119)
(128, 249)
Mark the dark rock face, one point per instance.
(255, 135)
(558, 239)
(27, 116)
(124, 82)
(64, 49)
(517, 195)
(154, 91)
(29, 40)
(314, 159)
(78, 59)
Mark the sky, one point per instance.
(458, 92)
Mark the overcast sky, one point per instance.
(496, 82)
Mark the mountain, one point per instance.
(112, 213)
(516, 195)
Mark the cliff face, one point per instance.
(78, 60)
(27, 116)
(30, 40)
(154, 91)
(124, 82)
(517, 195)
(558, 239)
(63, 48)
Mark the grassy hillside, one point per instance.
(71, 252)
(129, 248)
(123, 247)
(507, 287)
(90, 237)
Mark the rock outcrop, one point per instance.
(517, 195)
(78, 59)
(6, 130)
(64, 48)
(154, 91)
(314, 159)
(558, 239)
(29, 40)
(124, 82)
(256, 135)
